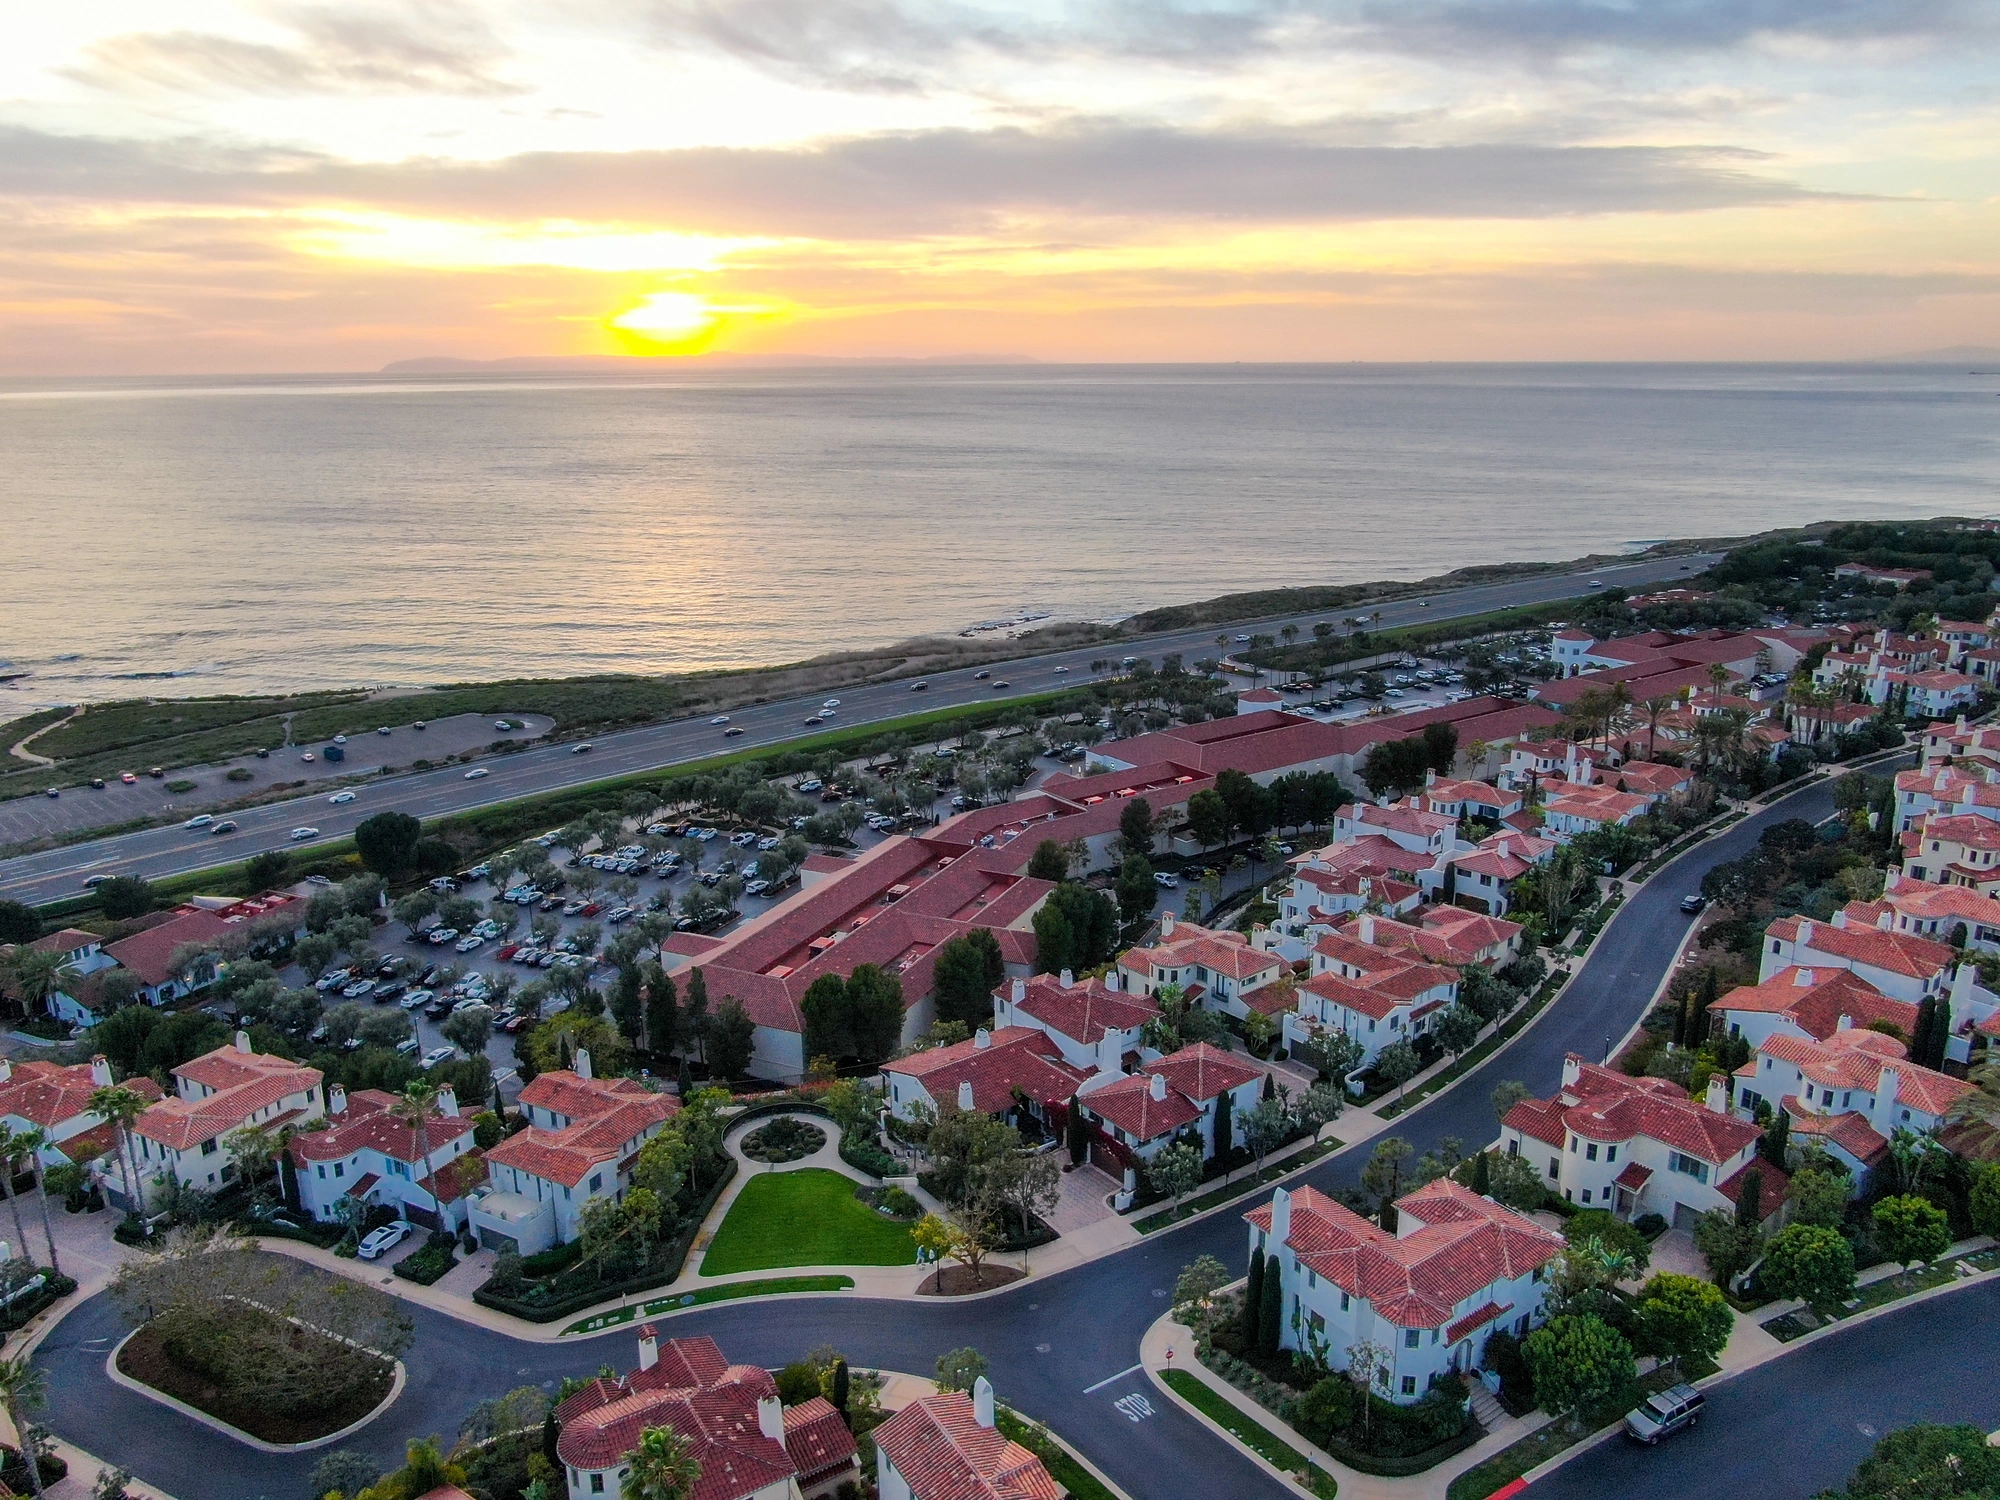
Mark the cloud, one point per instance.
(422, 47)
(934, 183)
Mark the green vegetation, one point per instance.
(773, 1286)
(1238, 1188)
(807, 1217)
(1247, 1430)
(1881, 1292)
(1077, 1481)
(1930, 1460)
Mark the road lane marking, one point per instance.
(1135, 1407)
(1109, 1379)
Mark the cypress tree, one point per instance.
(1270, 1087)
(1271, 1325)
(1709, 992)
(1776, 1139)
(1223, 1127)
(1253, 1299)
(1920, 1031)
(1681, 1021)
(840, 1388)
(1482, 1174)
(1750, 1199)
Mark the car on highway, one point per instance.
(1061, 670)
(503, 725)
(1243, 640)
(583, 749)
(340, 797)
(308, 757)
(831, 703)
(381, 1241)
(720, 719)
(92, 882)
(732, 729)
(813, 721)
(128, 778)
(981, 675)
(920, 686)
(304, 833)
(199, 820)
(1002, 683)
(476, 773)
(227, 825)
(1662, 1415)
(1595, 583)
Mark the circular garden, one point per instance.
(784, 1139)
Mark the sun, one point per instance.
(665, 323)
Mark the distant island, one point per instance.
(1957, 354)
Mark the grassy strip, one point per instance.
(1557, 1437)
(1888, 1289)
(1240, 1187)
(1077, 1481)
(1505, 1033)
(773, 1286)
(1253, 1434)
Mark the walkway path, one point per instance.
(20, 751)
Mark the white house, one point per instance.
(746, 1443)
(1458, 1267)
(1377, 994)
(1809, 1003)
(1850, 1093)
(947, 1447)
(55, 1099)
(1633, 1145)
(369, 1155)
(1899, 964)
(1094, 1023)
(582, 1136)
(1225, 967)
(1179, 1094)
(216, 1094)
(1015, 1073)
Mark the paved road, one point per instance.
(53, 874)
(1052, 1343)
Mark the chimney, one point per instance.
(1430, 778)
(1166, 925)
(1572, 1070)
(1887, 921)
(243, 1042)
(1805, 933)
(1281, 1218)
(649, 1347)
(982, 1039)
(448, 1102)
(100, 1071)
(1840, 921)
(1112, 985)
(1803, 979)
(771, 1417)
(1158, 1087)
(1367, 927)
(1108, 1051)
(336, 1100)
(965, 1093)
(1020, 991)
(1845, 1023)
(1067, 979)
(982, 1401)
(583, 1062)
(1718, 1094)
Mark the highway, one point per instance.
(153, 853)
(1062, 1348)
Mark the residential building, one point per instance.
(1170, 1097)
(1015, 1073)
(1897, 578)
(1445, 935)
(1094, 1023)
(746, 1443)
(55, 1099)
(1634, 1145)
(368, 1155)
(1899, 964)
(1576, 810)
(1457, 1268)
(188, 1135)
(1223, 966)
(1487, 874)
(1811, 1003)
(83, 957)
(947, 1447)
(582, 1139)
(1957, 850)
(1954, 915)
(1377, 994)
(1849, 1093)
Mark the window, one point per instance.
(1409, 1385)
(1411, 1337)
(1343, 1302)
(322, 1171)
(1586, 1195)
(1688, 1166)
(208, 1147)
(1590, 1152)
(597, 1182)
(1611, 1153)
(1572, 1145)
(1906, 1114)
(1555, 1163)
(597, 1484)
(339, 1170)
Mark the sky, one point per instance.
(213, 186)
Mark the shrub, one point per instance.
(1517, 1381)
(1652, 1226)
(1329, 1407)
(901, 1204)
(238, 773)
(546, 1262)
(866, 1156)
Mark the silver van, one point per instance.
(1667, 1413)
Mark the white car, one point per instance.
(339, 797)
(385, 1239)
(720, 719)
(418, 999)
(199, 820)
(470, 943)
(831, 703)
(435, 1056)
(476, 773)
(1166, 881)
(439, 936)
(304, 833)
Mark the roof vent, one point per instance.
(1803, 979)
(1158, 1087)
(982, 1039)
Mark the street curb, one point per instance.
(119, 1377)
(1227, 1436)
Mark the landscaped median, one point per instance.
(770, 1286)
(1248, 1431)
(1230, 1191)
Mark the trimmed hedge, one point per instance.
(54, 1288)
(673, 1256)
(431, 1263)
(866, 1156)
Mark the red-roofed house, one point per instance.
(1808, 1003)
(1962, 850)
(1488, 872)
(1633, 1145)
(747, 1444)
(947, 1447)
(583, 1135)
(149, 955)
(1899, 964)
(1013, 1072)
(1851, 1092)
(55, 1099)
(1094, 1023)
(1147, 1111)
(1458, 1267)
(368, 1154)
(1224, 964)
(1376, 993)
(217, 1093)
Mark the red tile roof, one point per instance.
(1606, 1105)
(367, 1125)
(1897, 952)
(943, 1453)
(245, 1082)
(147, 953)
(1462, 1244)
(46, 1094)
(1085, 1011)
(1814, 1000)
(1129, 1104)
(1014, 1057)
(1202, 1072)
(606, 1115)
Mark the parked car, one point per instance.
(381, 1241)
(470, 943)
(439, 936)
(1665, 1414)
(1166, 881)
(128, 778)
(333, 980)
(418, 999)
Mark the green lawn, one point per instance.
(807, 1217)
(775, 1286)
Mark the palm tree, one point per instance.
(255, 1148)
(32, 1142)
(22, 1387)
(1717, 675)
(662, 1467)
(1655, 709)
(10, 1152)
(36, 976)
(413, 1107)
(122, 1107)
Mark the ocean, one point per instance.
(207, 535)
